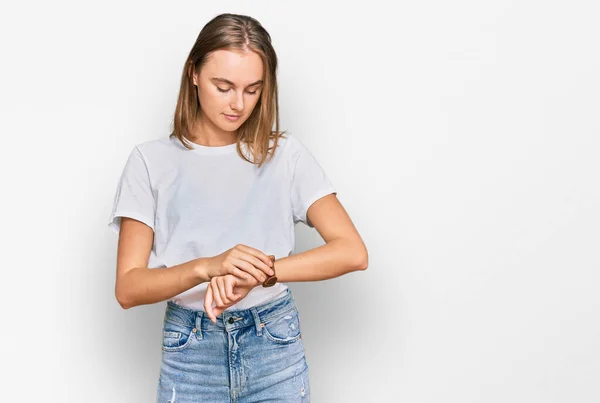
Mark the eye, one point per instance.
(227, 90)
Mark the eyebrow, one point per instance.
(224, 80)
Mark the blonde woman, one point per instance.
(206, 222)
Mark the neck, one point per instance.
(207, 134)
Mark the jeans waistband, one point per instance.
(232, 319)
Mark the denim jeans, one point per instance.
(249, 355)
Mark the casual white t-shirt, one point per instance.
(204, 201)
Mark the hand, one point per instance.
(241, 261)
(226, 291)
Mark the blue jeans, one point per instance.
(249, 355)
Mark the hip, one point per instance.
(255, 353)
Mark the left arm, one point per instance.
(344, 250)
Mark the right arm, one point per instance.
(136, 284)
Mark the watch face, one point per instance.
(270, 281)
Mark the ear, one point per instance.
(192, 74)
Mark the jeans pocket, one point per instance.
(177, 336)
(284, 328)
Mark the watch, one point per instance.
(271, 280)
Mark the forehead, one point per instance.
(241, 67)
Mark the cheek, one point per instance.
(252, 102)
(211, 101)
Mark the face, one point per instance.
(229, 84)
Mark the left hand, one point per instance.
(226, 291)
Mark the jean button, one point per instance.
(231, 320)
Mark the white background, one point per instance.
(463, 139)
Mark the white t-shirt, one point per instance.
(204, 201)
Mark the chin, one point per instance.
(227, 126)
(231, 127)
(235, 125)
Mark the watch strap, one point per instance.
(271, 280)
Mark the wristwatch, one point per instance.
(271, 280)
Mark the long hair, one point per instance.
(233, 32)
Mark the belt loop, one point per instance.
(199, 316)
(257, 324)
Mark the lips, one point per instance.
(232, 118)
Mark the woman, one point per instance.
(214, 207)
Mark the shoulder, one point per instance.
(157, 145)
(292, 146)
(158, 149)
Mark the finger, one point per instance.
(223, 294)
(208, 300)
(249, 268)
(250, 282)
(239, 286)
(237, 272)
(255, 263)
(259, 264)
(266, 260)
(229, 289)
(216, 293)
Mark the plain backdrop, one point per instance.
(463, 140)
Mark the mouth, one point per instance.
(232, 117)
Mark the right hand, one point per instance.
(241, 261)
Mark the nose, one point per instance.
(237, 103)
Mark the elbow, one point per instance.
(122, 298)
(123, 302)
(361, 262)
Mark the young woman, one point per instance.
(206, 222)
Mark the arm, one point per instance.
(136, 284)
(343, 252)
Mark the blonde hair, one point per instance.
(233, 32)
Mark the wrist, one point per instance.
(272, 279)
(200, 269)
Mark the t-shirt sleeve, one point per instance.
(133, 197)
(309, 184)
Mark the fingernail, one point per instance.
(271, 272)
